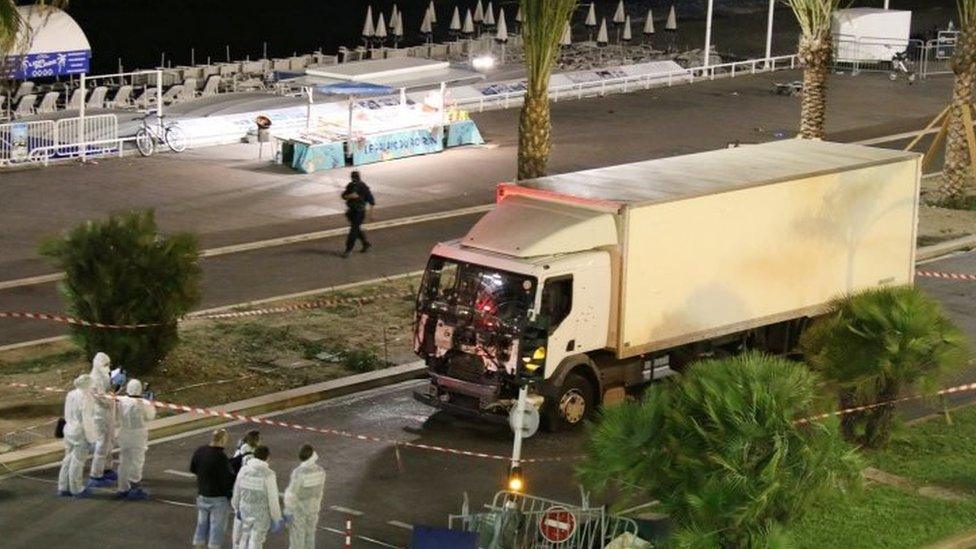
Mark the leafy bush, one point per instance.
(875, 344)
(122, 271)
(720, 449)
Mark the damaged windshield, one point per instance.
(481, 293)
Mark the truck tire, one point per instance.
(569, 404)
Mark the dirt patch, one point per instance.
(225, 360)
(929, 491)
(938, 224)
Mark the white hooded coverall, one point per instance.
(303, 501)
(105, 410)
(134, 417)
(256, 499)
(79, 432)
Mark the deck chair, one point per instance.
(211, 87)
(97, 98)
(49, 103)
(190, 86)
(122, 98)
(23, 89)
(146, 99)
(77, 97)
(25, 107)
(173, 94)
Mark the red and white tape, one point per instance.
(316, 304)
(948, 276)
(443, 449)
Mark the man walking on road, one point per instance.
(303, 500)
(358, 197)
(215, 485)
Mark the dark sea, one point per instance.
(141, 32)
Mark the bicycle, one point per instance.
(901, 64)
(149, 135)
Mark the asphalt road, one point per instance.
(228, 197)
(422, 488)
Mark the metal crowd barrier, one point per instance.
(515, 521)
(41, 141)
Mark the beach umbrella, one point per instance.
(425, 26)
(567, 39)
(393, 16)
(619, 16)
(368, 30)
(479, 12)
(468, 27)
(672, 24)
(398, 25)
(381, 28)
(455, 21)
(649, 23)
(627, 36)
(591, 16)
(501, 34)
(601, 37)
(490, 15)
(433, 13)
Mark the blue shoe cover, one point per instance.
(84, 493)
(137, 494)
(100, 482)
(110, 475)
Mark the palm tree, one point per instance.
(815, 51)
(957, 168)
(719, 447)
(543, 23)
(875, 344)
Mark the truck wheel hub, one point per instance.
(572, 406)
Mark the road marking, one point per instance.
(180, 473)
(346, 511)
(399, 524)
(178, 503)
(31, 281)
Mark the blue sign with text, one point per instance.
(43, 65)
(376, 148)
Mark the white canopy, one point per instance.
(398, 25)
(518, 14)
(468, 27)
(649, 22)
(490, 15)
(368, 30)
(567, 38)
(601, 36)
(591, 16)
(501, 34)
(433, 12)
(381, 27)
(619, 16)
(627, 36)
(50, 43)
(455, 20)
(425, 26)
(479, 12)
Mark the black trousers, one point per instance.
(356, 219)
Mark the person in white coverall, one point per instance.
(303, 499)
(79, 434)
(255, 501)
(105, 410)
(135, 413)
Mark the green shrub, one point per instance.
(122, 271)
(720, 449)
(877, 343)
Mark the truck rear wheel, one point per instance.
(569, 405)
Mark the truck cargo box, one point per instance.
(723, 241)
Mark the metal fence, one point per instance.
(866, 54)
(41, 141)
(516, 521)
(636, 82)
(938, 53)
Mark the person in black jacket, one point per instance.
(358, 197)
(215, 486)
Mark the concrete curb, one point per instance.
(180, 423)
(934, 251)
(961, 541)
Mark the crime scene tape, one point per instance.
(949, 276)
(444, 449)
(315, 304)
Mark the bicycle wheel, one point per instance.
(145, 142)
(175, 139)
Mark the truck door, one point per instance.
(557, 306)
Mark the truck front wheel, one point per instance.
(569, 404)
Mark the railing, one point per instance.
(637, 82)
(868, 54)
(41, 141)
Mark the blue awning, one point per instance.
(354, 88)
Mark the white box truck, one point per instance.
(870, 34)
(591, 284)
